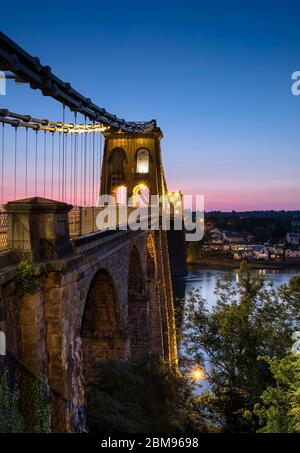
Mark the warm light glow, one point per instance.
(121, 195)
(141, 195)
(142, 163)
(197, 374)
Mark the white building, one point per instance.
(293, 238)
(292, 253)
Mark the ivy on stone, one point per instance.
(27, 282)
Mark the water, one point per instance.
(205, 279)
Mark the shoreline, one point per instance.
(232, 264)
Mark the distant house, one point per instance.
(252, 252)
(290, 254)
(216, 236)
(243, 255)
(293, 238)
(260, 252)
(234, 237)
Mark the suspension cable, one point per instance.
(52, 164)
(26, 162)
(63, 159)
(81, 169)
(36, 162)
(65, 168)
(84, 167)
(75, 162)
(71, 169)
(2, 165)
(93, 171)
(101, 163)
(15, 165)
(59, 165)
(45, 138)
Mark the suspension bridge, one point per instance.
(102, 293)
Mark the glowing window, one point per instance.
(121, 195)
(142, 161)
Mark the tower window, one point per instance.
(142, 161)
(121, 195)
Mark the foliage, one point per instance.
(26, 280)
(35, 406)
(142, 395)
(24, 407)
(275, 223)
(197, 253)
(11, 420)
(279, 409)
(249, 320)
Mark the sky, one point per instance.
(215, 75)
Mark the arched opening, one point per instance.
(117, 160)
(138, 307)
(151, 259)
(141, 195)
(117, 163)
(121, 195)
(101, 330)
(142, 161)
(155, 308)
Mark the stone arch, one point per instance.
(141, 195)
(118, 160)
(155, 305)
(117, 163)
(138, 306)
(102, 333)
(151, 258)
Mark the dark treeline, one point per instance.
(263, 225)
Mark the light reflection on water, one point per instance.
(205, 280)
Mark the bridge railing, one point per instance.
(82, 220)
(4, 231)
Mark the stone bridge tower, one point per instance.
(132, 165)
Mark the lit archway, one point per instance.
(151, 259)
(141, 195)
(121, 195)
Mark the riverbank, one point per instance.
(225, 263)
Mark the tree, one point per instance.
(250, 319)
(142, 395)
(279, 408)
(11, 420)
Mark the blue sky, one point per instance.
(215, 75)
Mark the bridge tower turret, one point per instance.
(132, 164)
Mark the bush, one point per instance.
(142, 395)
(26, 280)
(11, 420)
